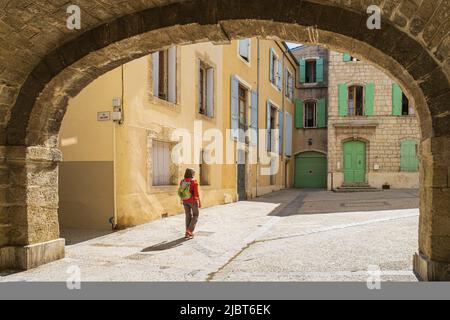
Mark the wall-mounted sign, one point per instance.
(104, 116)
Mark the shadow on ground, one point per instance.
(316, 201)
(166, 245)
(76, 236)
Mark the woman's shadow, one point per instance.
(166, 245)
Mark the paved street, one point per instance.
(290, 235)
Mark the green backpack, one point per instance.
(184, 191)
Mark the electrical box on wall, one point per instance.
(117, 114)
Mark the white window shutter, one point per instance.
(210, 92)
(234, 107)
(244, 48)
(172, 75)
(288, 134)
(271, 70)
(280, 74)
(155, 62)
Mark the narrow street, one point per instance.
(290, 235)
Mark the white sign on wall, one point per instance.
(104, 116)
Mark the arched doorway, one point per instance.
(57, 65)
(354, 163)
(311, 170)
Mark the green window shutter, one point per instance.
(397, 97)
(370, 99)
(347, 57)
(319, 70)
(302, 70)
(408, 153)
(343, 99)
(299, 114)
(321, 113)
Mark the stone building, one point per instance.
(354, 125)
(311, 136)
(124, 170)
(373, 131)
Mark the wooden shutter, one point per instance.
(302, 70)
(254, 123)
(280, 74)
(397, 100)
(409, 161)
(321, 113)
(161, 163)
(271, 69)
(343, 99)
(288, 135)
(155, 66)
(319, 70)
(210, 92)
(281, 130)
(244, 48)
(299, 114)
(234, 107)
(347, 57)
(369, 99)
(172, 75)
(269, 133)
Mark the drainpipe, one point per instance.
(257, 134)
(114, 220)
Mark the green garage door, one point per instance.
(311, 170)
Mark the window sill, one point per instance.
(204, 117)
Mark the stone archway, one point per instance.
(44, 70)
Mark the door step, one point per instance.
(356, 188)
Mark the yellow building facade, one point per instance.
(120, 132)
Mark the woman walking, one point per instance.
(190, 197)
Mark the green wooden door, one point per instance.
(311, 170)
(354, 162)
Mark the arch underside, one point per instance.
(62, 73)
(41, 73)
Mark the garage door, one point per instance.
(311, 170)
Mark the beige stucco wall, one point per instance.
(86, 184)
(148, 118)
(382, 133)
(248, 74)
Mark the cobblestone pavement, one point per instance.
(290, 235)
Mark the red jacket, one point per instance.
(193, 190)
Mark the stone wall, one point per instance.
(312, 139)
(383, 133)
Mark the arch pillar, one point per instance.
(432, 262)
(29, 227)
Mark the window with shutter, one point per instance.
(165, 74)
(206, 90)
(302, 71)
(234, 107)
(299, 114)
(409, 160)
(343, 99)
(288, 135)
(321, 113)
(161, 163)
(320, 70)
(397, 100)
(369, 99)
(244, 49)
